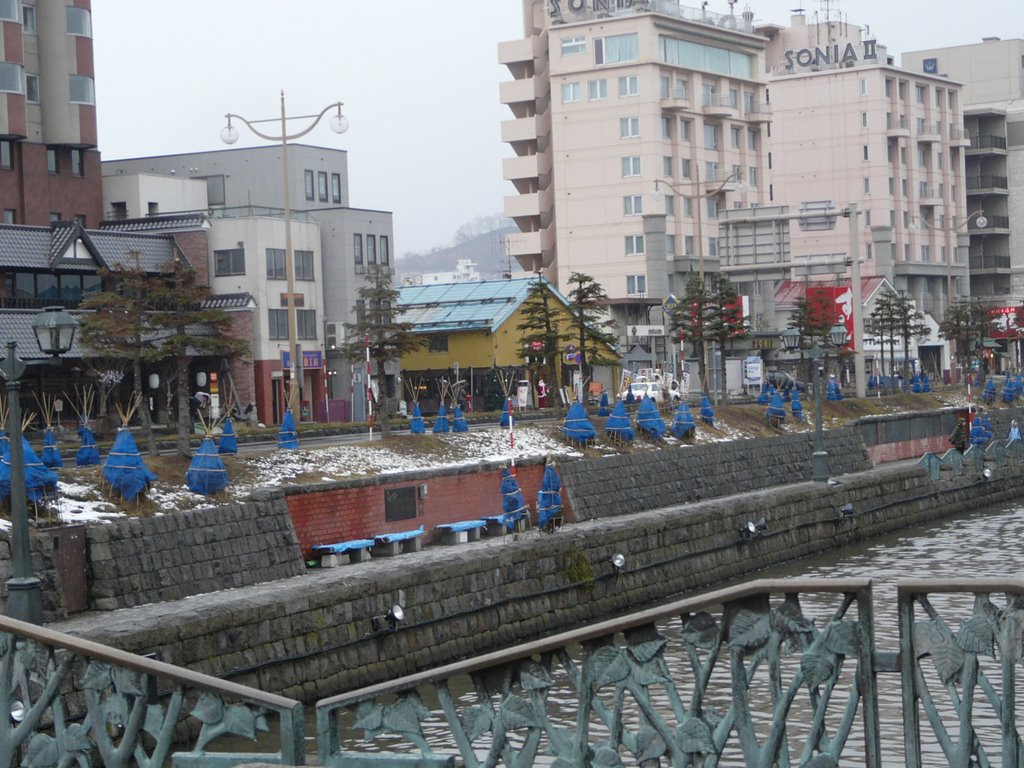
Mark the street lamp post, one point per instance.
(229, 135)
(55, 331)
(837, 337)
(697, 196)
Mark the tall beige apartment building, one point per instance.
(851, 127)
(992, 72)
(634, 123)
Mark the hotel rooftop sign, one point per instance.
(557, 8)
(835, 55)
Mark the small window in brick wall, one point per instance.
(400, 503)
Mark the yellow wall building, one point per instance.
(472, 330)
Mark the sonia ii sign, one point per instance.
(831, 55)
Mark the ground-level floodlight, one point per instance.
(618, 562)
(753, 529)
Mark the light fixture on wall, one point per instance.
(390, 620)
(753, 529)
(618, 562)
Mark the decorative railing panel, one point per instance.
(76, 702)
(743, 676)
(960, 646)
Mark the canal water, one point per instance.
(979, 544)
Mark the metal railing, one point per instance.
(71, 700)
(988, 141)
(990, 261)
(985, 182)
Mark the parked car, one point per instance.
(783, 380)
(654, 390)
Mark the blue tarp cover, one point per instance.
(40, 482)
(618, 424)
(776, 410)
(707, 413)
(88, 454)
(441, 425)
(577, 425)
(797, 407)
(549, 497)
(51, 454)
(416, 425)
(649, 420)
(228, 439)
(602, 407)
(207, 473)
(288, 438)
(124, 469)
(683, 424)
(504, 413)
(513, 505)
(459, 423)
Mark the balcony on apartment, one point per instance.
(519, 91)
(929, 131)
(987, 144)
(929, 195)
(520, 206)
(990, 262)
(958, 136)
(526, 167)
(896, 126)
(995, 224)
(721, 104)
(986, 184)
(528, 247)
(524, 128)
(513, 52)
(759, 113)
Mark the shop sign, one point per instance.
(830, 55)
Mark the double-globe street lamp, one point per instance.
(229, 135)
(54, 330)
(837, 337)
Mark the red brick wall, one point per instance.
(194, 245)
(357, 511)
(66, 194)
(242, 371)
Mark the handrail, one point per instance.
(100, 686)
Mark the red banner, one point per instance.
(831, 304)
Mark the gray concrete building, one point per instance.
(355, 242)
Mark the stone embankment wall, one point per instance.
(628, 483)
(315, 635)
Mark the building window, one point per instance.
(597, 90)
(688, 244)
(10, 216)
(734, 136)
(634, 245)
(55, 217)
(276, 269)
(573, 46)
(863, 87)
(666, 127)
(666, 166)
(77, 162)
(305, 323)
(336, 187)
(630, 166)
(11, 76)
(752, 140)
(6, 154)
(79, 21)
(9, 10)
(438, 342)
(682, 89)
(52, 164)
(636, 285)
(616, 49)
(230, 261)
(629, 127)
(277, 323)
(670, 205)
(752, 176)
(321, 183)
(863, 119)
(632, 205)
(28, 19)
(865, 151)
(32, 88)
(666, 86)
(920, 92)
(570, 92)
(81, 90)
(867, 185)
(385, 250)
(371, 249)
(670, 244)
(685, 129)
(685, 168)
(304, 265)
(310, 184)
(710, 136)
(357, 249)
(629, 85)
(688, 207)
(888, 87)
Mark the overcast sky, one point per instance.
(419, 80)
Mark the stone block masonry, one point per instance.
(312, 636)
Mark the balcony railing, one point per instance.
(986, 182)
(988, 141)
(719, 100)
(24, 302)
(988, 261)
(994, 222)
(895, 122)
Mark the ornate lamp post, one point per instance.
(229, 135)
(55, 331)
(837, 337)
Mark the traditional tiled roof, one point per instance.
(168, 223)
(16, 326)
(465, 306)
(230, 301)
(44, 248)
